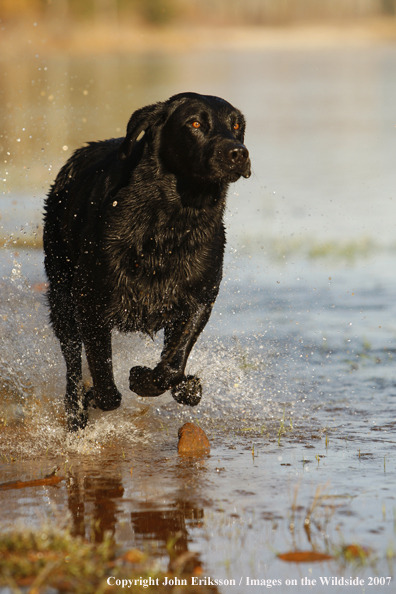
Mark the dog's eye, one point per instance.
(196, 124)
(236, 126)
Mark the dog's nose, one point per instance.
(237, 157)
(238, 154)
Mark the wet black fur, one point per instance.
(134, 240)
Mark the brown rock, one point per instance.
(192, 441)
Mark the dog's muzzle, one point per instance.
(237, 159)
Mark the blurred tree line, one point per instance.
(154, 11)
(202, 11)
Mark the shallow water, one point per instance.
(299, 399)
(297, 362)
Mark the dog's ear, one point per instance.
(139, 122)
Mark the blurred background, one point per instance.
(315, 79)
(208, 11)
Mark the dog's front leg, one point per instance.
(75, 398)
(97, 342)
(180, 337)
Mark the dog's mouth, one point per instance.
(247, 170)
(232, 174)
(233, 162)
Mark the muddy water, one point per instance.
(297, 362)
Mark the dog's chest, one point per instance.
(165, 279)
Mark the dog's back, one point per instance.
(72, 194)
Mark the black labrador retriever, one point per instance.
(134, 240)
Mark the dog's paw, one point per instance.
(143, 382)
(189, 391)
(106, 400)
(77, 421)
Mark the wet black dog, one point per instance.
(134, 240)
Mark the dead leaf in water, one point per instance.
(304, 557)
(354, 551)
(49, 479)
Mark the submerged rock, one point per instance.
(192, 441)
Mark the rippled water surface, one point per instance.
(297, 361)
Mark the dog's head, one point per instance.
(198, 136)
